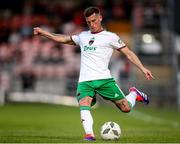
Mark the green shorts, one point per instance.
(107, 88)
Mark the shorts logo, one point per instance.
(116, 95)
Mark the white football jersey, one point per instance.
(96, 51)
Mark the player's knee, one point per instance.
(123, 105)
(83, 103)
(86, 101)
(126, 109)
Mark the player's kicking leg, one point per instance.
(128, 102)
(142, 97)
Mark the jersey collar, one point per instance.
(97, 32)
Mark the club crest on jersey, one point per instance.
(91, 41)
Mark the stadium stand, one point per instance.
(42, 62)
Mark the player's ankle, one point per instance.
(89, 137)
(89, 134)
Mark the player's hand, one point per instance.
(148, 74)
(37, 31)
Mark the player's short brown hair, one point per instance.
(90, 10)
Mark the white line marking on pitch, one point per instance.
(152, 119)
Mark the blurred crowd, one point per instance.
(30, 57)
(17, 45)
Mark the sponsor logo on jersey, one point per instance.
(89, 48)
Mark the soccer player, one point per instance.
(97, 46)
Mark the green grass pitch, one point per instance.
(44, 123)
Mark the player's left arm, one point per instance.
(135, 60)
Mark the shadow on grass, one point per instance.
(48, 139)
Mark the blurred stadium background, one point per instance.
(34, 69)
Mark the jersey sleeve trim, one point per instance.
(121, 47)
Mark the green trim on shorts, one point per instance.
(106, 88)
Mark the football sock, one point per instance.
(131, 98)
(87, 121)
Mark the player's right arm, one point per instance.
(135, 60)
(61, 38)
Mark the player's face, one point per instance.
(94, 22)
